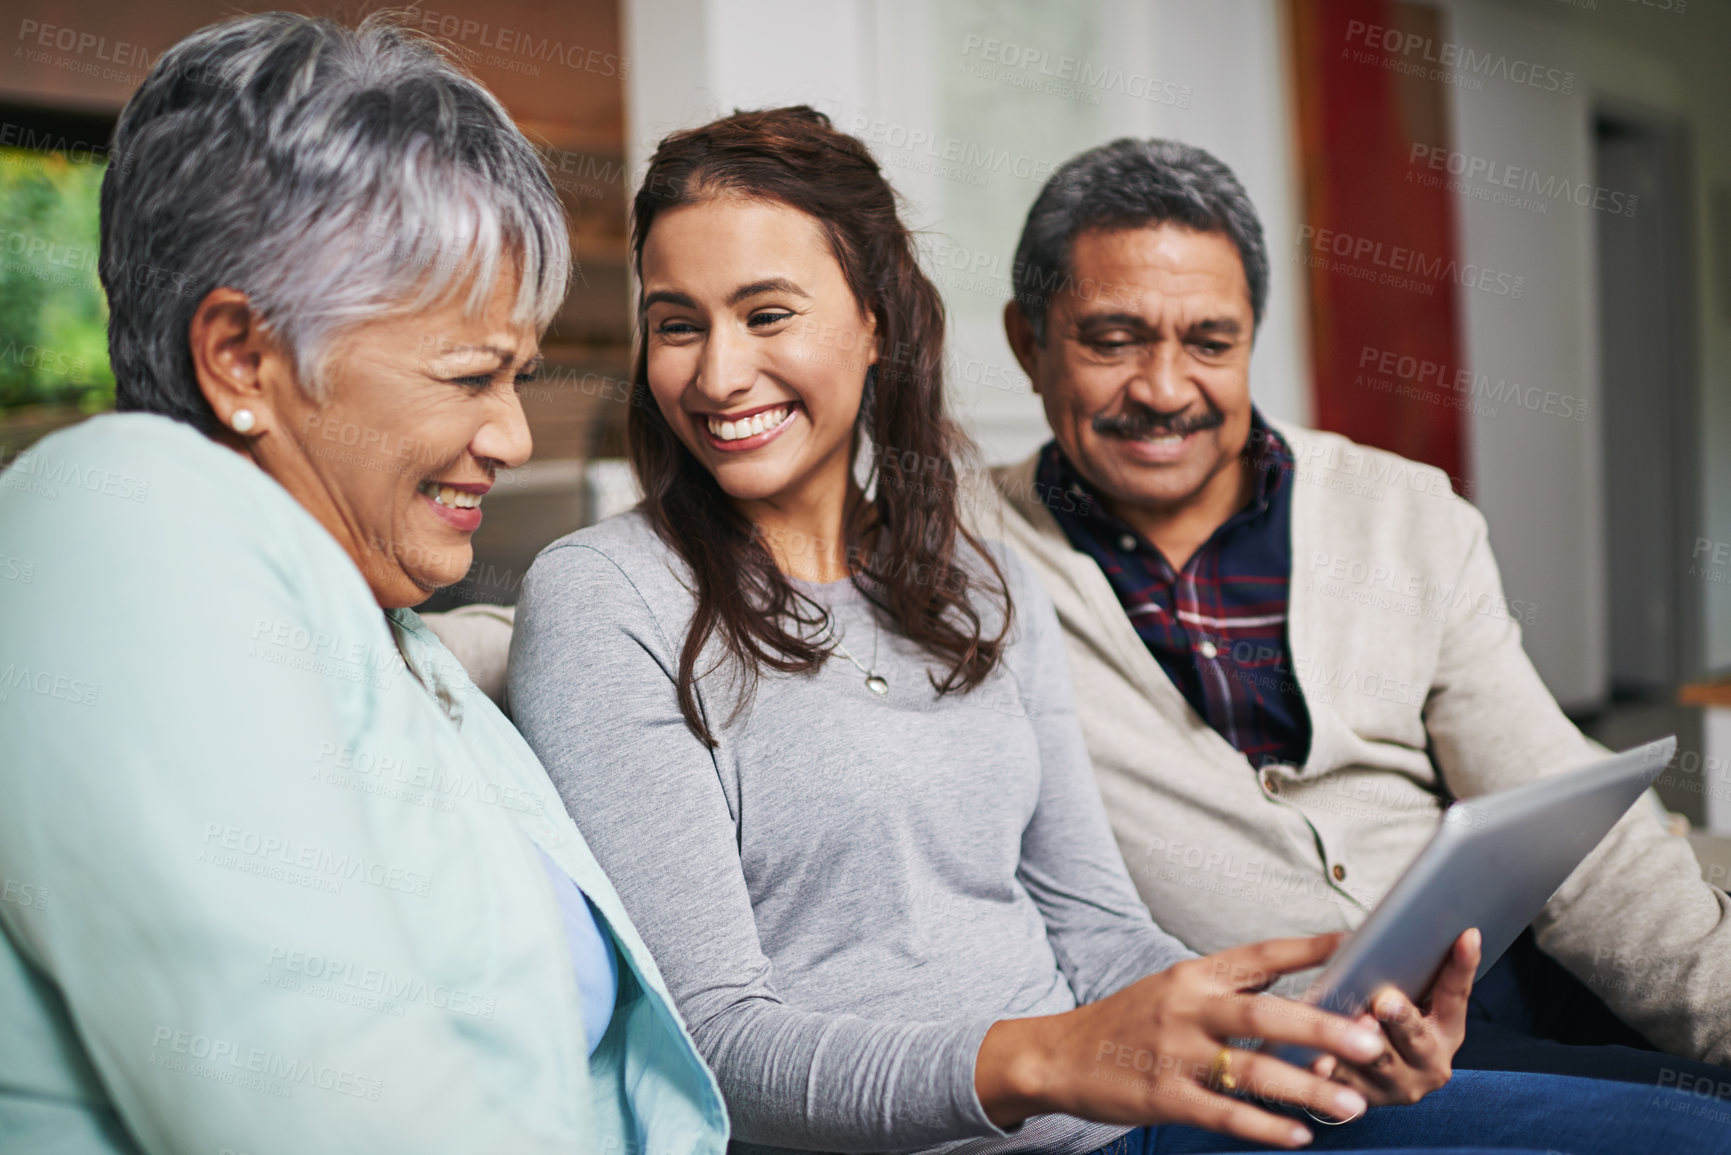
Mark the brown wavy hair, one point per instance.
(903, 555)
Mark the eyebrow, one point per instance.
(772, 285)
(1222, 325)
(743, 293)
(1095, 320)
(504, 355)
(669, 297)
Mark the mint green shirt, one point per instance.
(262, 888)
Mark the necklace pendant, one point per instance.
(877, 685)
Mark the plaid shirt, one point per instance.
(1218, 626)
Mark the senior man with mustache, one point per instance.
(1274, 736)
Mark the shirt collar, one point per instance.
(1269, 456)
(430, 663)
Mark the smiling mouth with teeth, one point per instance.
(749, 426)
(445, 495)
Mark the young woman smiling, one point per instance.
(838, 783)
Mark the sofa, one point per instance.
(479, 637)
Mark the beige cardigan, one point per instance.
(1400, 639)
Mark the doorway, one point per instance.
(1648, 402)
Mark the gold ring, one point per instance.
(1220, 1072)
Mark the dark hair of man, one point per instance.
(1129, 184)
(911, 571)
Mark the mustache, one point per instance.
(1141, 423)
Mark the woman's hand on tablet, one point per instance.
(1421, 1048)
(1159, 1051)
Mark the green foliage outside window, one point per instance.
(53, 316)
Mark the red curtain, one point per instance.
(1378, 241)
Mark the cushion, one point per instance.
(480, 638)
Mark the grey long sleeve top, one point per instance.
(849, 890)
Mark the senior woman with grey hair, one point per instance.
(276, 875)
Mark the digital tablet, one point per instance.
(1494, 863)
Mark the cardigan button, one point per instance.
(1339, 872)
(1207, 649)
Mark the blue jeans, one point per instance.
(1505, 1111)
(1529, 1014)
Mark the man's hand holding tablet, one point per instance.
(1422, 1043)
(1492, 865)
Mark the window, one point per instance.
(53, 316)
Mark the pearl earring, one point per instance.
(242, 421)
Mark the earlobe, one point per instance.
(1020, 334)
(229, 353)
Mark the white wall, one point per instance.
(1244, 114)
(1649, 53)
(1540, 477)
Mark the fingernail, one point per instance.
(1349, 1105)
(1365, 1043)
(1300, 1137)
(1387, 1007)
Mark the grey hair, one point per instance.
(1133, 183)
(332, 175)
